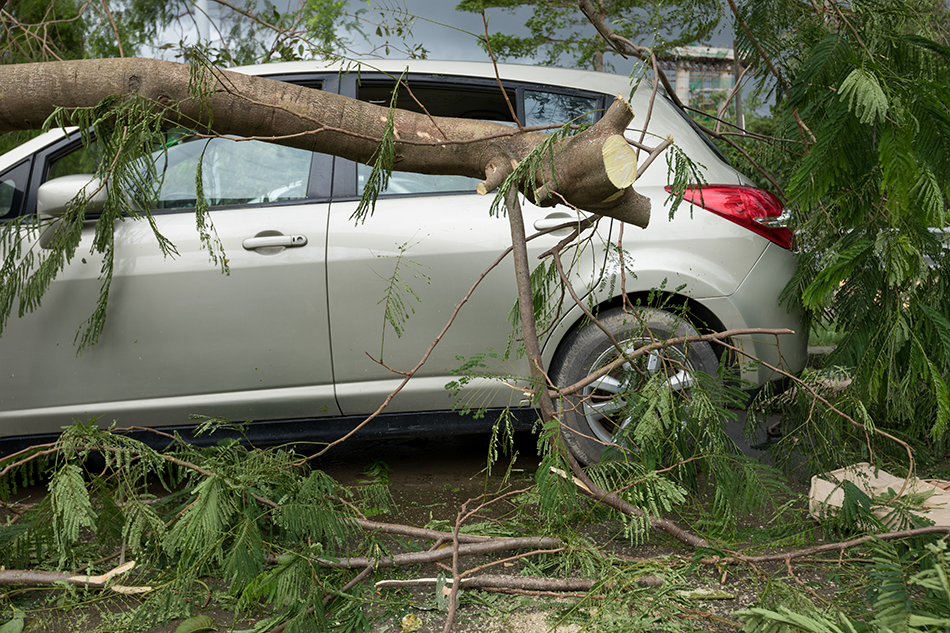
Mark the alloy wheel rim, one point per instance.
(602, 405)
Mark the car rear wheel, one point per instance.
(597, 415)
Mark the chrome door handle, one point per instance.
(271, 241)
(557, 218)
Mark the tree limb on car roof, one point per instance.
(592, 170)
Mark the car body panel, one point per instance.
(300, 333)
(443, 258)
(165, 315)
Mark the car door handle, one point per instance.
(270, 241)
(557, 218)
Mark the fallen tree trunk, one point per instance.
(593, 170)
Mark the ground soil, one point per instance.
(431, 478)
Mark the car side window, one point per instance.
(540, 107)
(233, 172)
(83, 159)
(554, 108)
(13, 184)
(443, 101)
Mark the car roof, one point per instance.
(547, 75)
(665, 120)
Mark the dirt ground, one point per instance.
(430, 479)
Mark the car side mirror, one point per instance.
(54, 197)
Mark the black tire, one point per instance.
(586, 424)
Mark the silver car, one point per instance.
(296, 337)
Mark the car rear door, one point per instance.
(395, 279)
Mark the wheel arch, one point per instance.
(701, 317)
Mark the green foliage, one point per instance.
(862, 91)
(909, 592)
(398, 296)
(560, 34)
(197, 624)
(235, 506)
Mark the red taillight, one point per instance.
(750, 207)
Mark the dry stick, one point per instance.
(453, 594)
(642, 167)
(510, 559)
(355, 581)
(828, 547)
(47, 578)
(524, 583)
(463, 516)
(466, 549)
(415, 532)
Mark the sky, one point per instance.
(446, 33)
(454, 35)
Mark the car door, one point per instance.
(181, 337)
(429, 239)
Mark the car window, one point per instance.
(233, 172)
(83, 159)
(540, 108)
(553, 108)
(444, 101)
(12, 189)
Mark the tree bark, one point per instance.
(431, 556)
(42, 578)
(524, 583)
(591, 170)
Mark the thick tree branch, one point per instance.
(321, 121)
(523, 583)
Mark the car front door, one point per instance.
(181, 337)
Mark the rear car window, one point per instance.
(443, 101)
(540, 107)
(556, 108)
